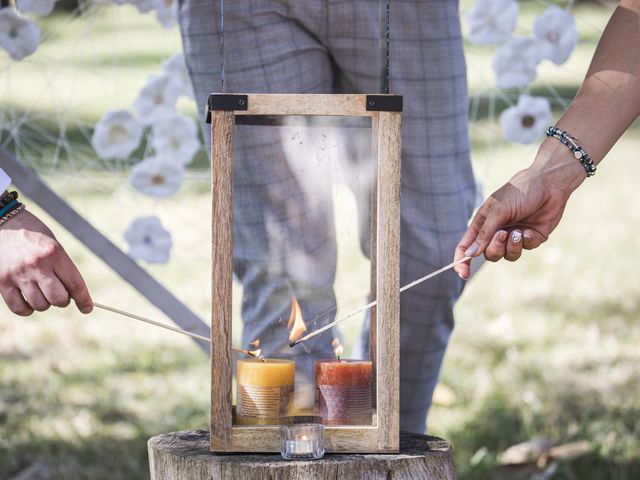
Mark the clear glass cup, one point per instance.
(302, 437)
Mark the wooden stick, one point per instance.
(164, 325)
(375, 302)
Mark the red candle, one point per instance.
(343, 391)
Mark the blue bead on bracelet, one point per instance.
(8, 207)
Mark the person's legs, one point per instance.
(284, 242)
(428, 69)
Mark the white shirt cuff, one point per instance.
(5, 181)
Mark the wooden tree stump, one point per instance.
(185, 455)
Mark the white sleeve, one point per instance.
(5, 181)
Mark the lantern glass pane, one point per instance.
(301, 249)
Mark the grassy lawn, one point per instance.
(545, 347)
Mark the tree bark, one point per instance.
(185, 455)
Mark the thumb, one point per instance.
(489, 218)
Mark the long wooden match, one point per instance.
(375, 302)
(169, 327)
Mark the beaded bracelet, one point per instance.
(13, 204)
(578, 151)
(8, 216)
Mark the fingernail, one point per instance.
(516, 236)
(527, 235)
(463, 278)
(86, 309)
(472, 250)
(502, 236)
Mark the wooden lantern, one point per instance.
(224, 111)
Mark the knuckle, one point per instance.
(60, 300)
(512, 257)
(492, 257)
(40, 306)
(22, 310)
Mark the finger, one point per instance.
(15, 301)
(485, 223)
(462, 269)
(34, 297)
(532, 239)
(514, 246)
(70, 277)
(54, 291)
(491, 217)
(498, 246)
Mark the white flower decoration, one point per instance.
(117, 134)
(492, 21)
(39, 7)
(148, 240)
(527, 121)
(156, 99)
(167, 12)
(516, 62)
(176, 137)
(557, 34)
(19, 36)
(176, 68)
(157, 177)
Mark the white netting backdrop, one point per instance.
(93, 105)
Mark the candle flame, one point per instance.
(337, 347)
(256, 353)
(296, 324)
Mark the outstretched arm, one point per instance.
(35, 271)
(524, 212)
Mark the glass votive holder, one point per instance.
(301, 437)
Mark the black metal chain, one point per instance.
(222, 72)
(385, 26)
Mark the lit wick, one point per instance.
(337, 348)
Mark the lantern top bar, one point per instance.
(360, 105)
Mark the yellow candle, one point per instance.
(264, 389)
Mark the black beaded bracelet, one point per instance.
(578, 151)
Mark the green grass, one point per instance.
(543, 347)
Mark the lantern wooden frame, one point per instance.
(224, 111)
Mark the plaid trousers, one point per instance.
(331, 46)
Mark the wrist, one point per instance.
(558, 166)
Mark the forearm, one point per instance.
(608, 101)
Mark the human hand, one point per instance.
(519, 215)
(35, 271)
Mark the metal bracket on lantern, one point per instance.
(229, 102)
(384, 103)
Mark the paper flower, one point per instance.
(557, 34)
(176, 137)
(117, 134)
(157, 98)
(527, 121)
(39, 7)
(492, 21)
(516, 62)
(157, 177)
(148, 240)
(176, 68)
(167, 12)
(19, 36)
